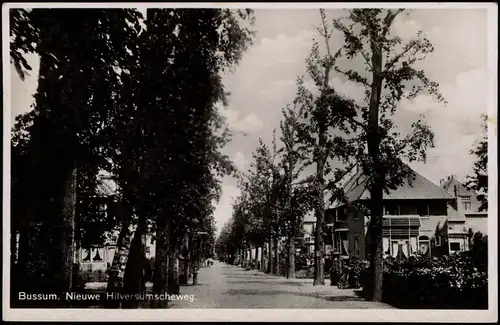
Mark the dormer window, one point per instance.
(341, 214)
(466, 202)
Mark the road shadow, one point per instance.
(192, 285)
(296, 284)
(295, 293)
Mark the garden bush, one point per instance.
(335, 271)
(78, 281)
(422, 282)
(307, 273)
(354, 268)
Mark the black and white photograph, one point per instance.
(250, 161)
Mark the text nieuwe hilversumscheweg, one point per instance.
(105, 296)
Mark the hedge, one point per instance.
(436, 283)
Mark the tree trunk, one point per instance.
(13, 246)
(133, 280)
(160, 278)
(262, 258)
(250, 256)
(14, 280)
(18, 270)
(173, 268)
(32, 269)
(277, 256)
(117, 269)
(291, 258)
(186, 254)
(271, 262)
(68, 231)
(257, 257)
(377, 173)
(319, 273)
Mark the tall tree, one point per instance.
(63, 134)
(324, 113)
(479, 181)
(297, 196)
(391, 76)
(194, 47)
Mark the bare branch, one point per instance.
(354, 76)
(407, 49)
(389, 18)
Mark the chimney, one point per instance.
(458, 200)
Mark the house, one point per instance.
(418, 216)
(468, 204)
(308, 230)
(101, 257)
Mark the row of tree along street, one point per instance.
(326, 130)
(133, 96)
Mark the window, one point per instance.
(394, 248)
(391, 208)
(423, 209)
(407, 208)
(454, 247)
(341, 214)
(437, 240)
(93, 255)
(466, 202)
(356, 245)
(341, 242)
(98, 255)
(438, 208)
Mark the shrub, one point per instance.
(423, 282)
(78, 281)
(335, 271)
(305, 273)
(300, 261)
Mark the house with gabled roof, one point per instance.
(468, 204)
(416, 218)
(100, 257)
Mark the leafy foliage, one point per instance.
(132, 97)
(479, 181)
(389, 77)
(422, 282)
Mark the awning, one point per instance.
(401, 221)
(401, 226)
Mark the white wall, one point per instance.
(478, 223)
(308, 227)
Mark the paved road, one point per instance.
(225, 286)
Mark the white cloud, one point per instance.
(283, 49)
(404, 27)
(250, 123)
(240, 161)
(224, 209)
(350, 89)
(22, 91)
(456, 126)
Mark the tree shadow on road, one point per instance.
(296, 284)
(295, 293)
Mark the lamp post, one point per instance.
(197, 264)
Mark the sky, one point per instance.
(264, 82)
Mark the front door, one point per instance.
(424, 247)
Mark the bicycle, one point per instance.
(344, 281)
